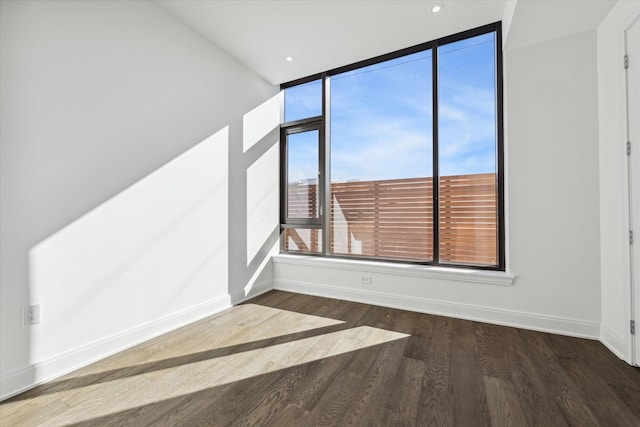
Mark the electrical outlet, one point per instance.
(365, 280)
(31, 315)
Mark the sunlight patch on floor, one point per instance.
(219, 350)
(140, 390)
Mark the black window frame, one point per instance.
(294, 128)
(322, 123)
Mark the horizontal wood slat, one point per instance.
(468, 219)
(394, 218)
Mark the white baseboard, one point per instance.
(33, 375)
(614, 342)
(251, 291)
(536, 322)
(23, 379)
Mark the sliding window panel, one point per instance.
(467, 152)
(381, 160)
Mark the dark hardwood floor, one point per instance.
(285, 359)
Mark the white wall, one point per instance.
(552, 205)
(123, 180)
(553, 176)
(614, 217)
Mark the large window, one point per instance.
(399, 158)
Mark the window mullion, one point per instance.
(325, 166)
(435, 180)
(501, 243)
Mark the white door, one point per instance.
(632, 37)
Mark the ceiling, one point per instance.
(537, 21)
(325, 34)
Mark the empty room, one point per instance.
(316, 212)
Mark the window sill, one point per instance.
(499, 278)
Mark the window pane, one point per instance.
(303, 240)
(302, 174)
(381, 160)
(303, 101)
(467, 151)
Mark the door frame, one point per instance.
(633, 312)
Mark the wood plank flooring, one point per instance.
(285, 359)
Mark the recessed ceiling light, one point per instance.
(289, 58)
(437, 8)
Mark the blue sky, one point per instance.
(381, 116)
(303, 156)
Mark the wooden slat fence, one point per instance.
(468, 219)
(394, 218)
(390, 218)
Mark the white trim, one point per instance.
(634, 276)
(249, 292)
(440, 273)
(23, 379)
(614, 342)
(33, 375)
(536, 322)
